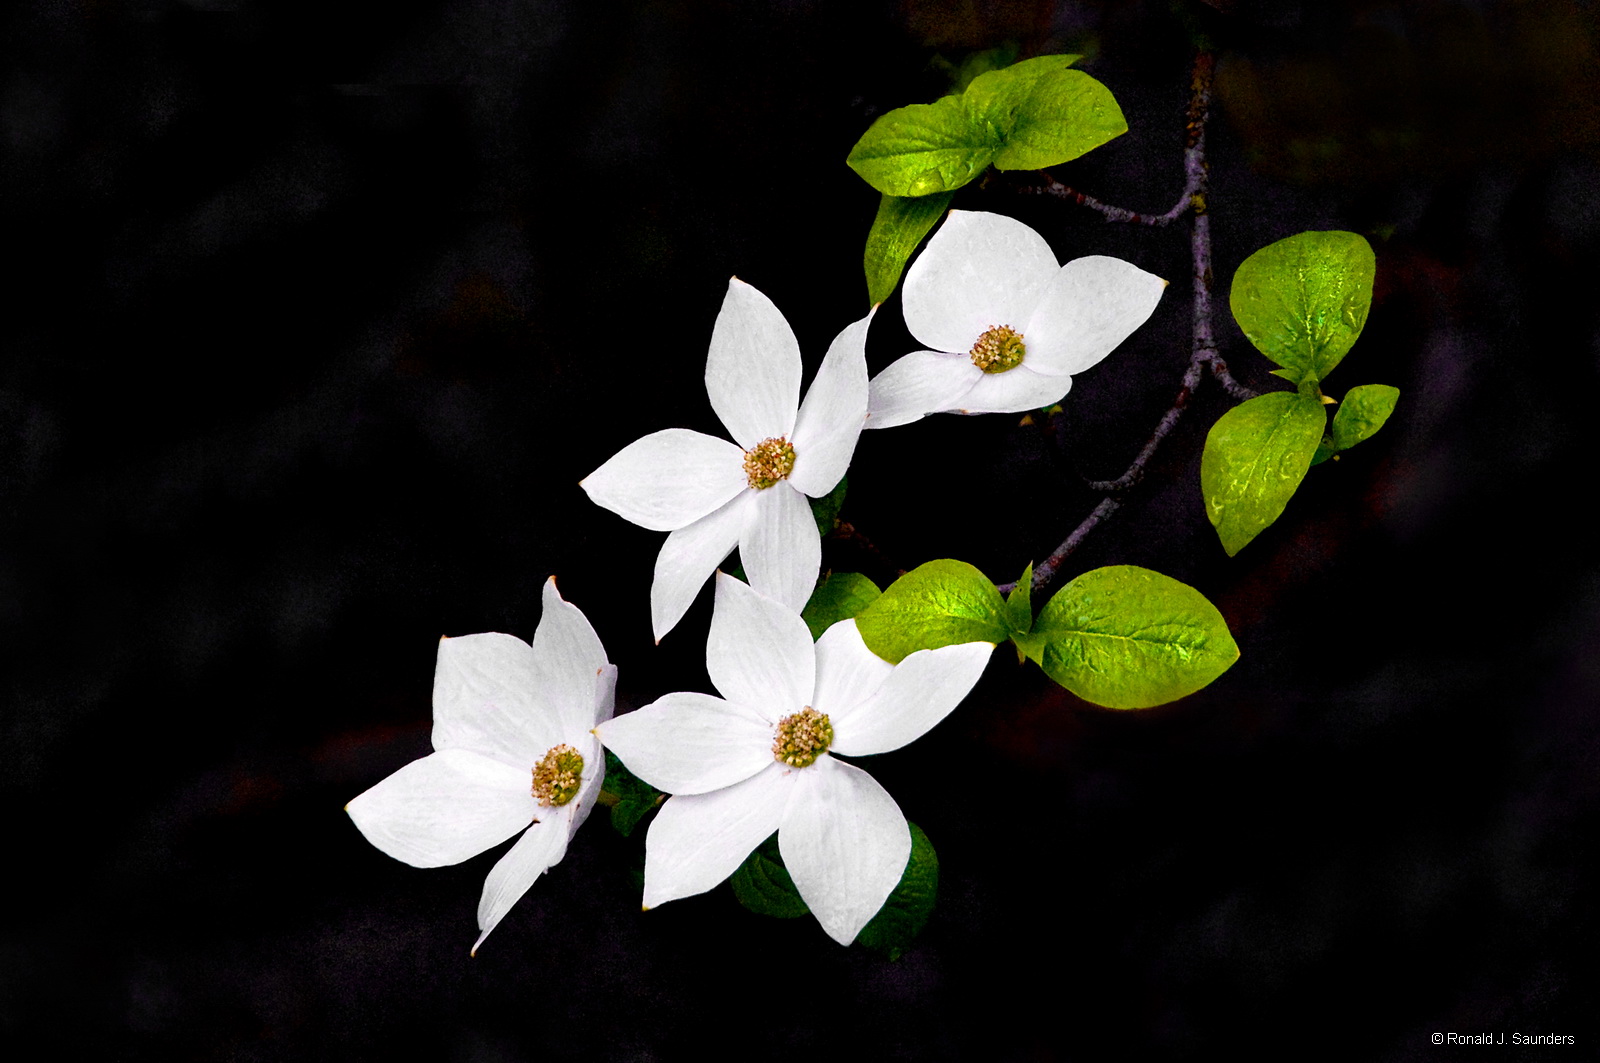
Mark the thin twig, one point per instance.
(1169, 420)
(1203, 349)
(1107, 210)
(1219, 369)
(1049, 565)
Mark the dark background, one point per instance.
(319, 312)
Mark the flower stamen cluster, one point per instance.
(558, 776)
(768, 462)
(801, 738)
(998, 349)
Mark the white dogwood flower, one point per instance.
(514, 751)
(712, 495)
(1006, 326)
(761, 758)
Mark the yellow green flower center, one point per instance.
(802, 738)
(557, 777)
(998, 349)
(768, 462)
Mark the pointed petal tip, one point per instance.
(1164, 282)
(644, 908)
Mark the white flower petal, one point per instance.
(689, 556)
(759, 652)
(688, 743)
(845, 843)
(605, 694)
(918, 384)
(753, 370)
(568, 653)
(978, 271)
(698, 840)
(541, 846)
(919, 693)
(446, 807)
(668, 479)
(834, 411)
(1014, 391)
(488, 697)
(847, 672)
(1090, 307)
(594, 779)
(781, 546)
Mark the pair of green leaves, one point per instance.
(762, 884)
(1302, 302)
(1122, 636)
(1037, 113)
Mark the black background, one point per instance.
(319, 312)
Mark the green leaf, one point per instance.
(941, 603)
(826, 509)
(1019, 603)
(1129, 638)
(924, 149)
(900, 225)
(906, 912)
(997, 95)
(1255, 457)
(763, 885)
(1303, 300)
(840, 596)
(1046, 112)
(635, 797)
(1364, 410)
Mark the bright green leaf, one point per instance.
(763, 885)
(997, 95)
(900, 225)
(826, 509)
(1030, 647)
(1046, 112)
(840, 596)
(1364, 410)
(1303, 300)
(1019, 603)
(924, 149)
(906, 912)
(1255, 457)
(1129, 638)
(941, 603)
